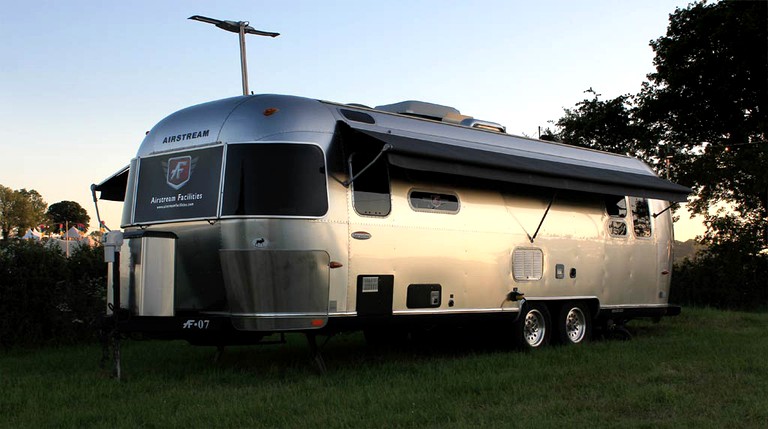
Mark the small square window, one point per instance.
(434, 201)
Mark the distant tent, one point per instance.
(72, 244)
(88, 241)
(73, 234)
(33, 234)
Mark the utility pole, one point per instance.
(241, 28)
(66, 236)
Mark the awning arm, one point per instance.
(96, 204)
(349, 181)
(551, 201)
(655, 215)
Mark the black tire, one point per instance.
(574, 323)
(533, 328)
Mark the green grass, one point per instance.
(705, 368)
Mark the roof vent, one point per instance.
(437, 112)
(420, 109)
(483, 125)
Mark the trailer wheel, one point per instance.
(532, 329)
(574, 323)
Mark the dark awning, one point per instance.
(113, 188)
(442, 155)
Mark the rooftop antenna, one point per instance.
(240, 27)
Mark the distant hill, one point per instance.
(686, 249)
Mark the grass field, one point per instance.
(705, 368)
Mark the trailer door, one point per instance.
(630, 253)
(370, 249)
(644, 261)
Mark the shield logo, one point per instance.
(436, 201)
(179, 171)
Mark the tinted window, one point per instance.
(616, 206)
(275, 179)
(617, 227)
(433, 201)
(641, 217)
(370, 189)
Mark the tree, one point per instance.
(6, 208)
(709, 97)
(70, 212)
(706, 107)
(47, 298)
(19, 210)
(611, 126)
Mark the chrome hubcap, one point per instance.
(534, 328)
(575, 325)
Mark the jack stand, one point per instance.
(110, 351)
(618, 331)
(117, 371)
(219, 352)
(316, 355)
(104, 337)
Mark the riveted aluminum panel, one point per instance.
(276, 289)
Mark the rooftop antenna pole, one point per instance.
(243, 64)
(241, 28)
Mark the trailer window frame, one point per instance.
(609, 204)
(138, 187)
(642, 223)
(364, 206)
(439, 208)
(615, 208)
(227, 168)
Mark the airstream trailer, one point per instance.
(265, 214)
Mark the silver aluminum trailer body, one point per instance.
(260, 214)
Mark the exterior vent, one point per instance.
(437, 112)
(527, 264)
(420, 109)
(483, 125)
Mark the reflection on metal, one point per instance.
(146, 274)
(276, 289)
(617, 227)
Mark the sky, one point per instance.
(82, 81)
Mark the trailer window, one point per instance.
(641, 217)
(616, 206)
(370, 190)
(434, 202)
(274, 179)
